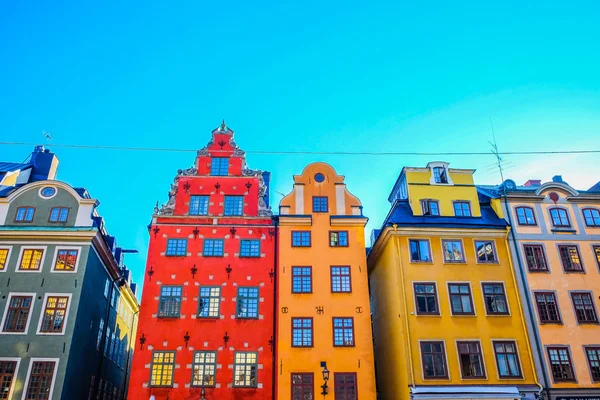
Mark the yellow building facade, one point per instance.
(556, 247)
(447, 315)
(323, 323)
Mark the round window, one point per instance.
(48, 192)
(319, 177)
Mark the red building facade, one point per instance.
(206, 325)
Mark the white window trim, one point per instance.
(49, 197)
(449, 378)
(437, 298)
(516, 342)
(444, 165)
(448, 283)
(25, 247)
(505, 297)
(10, 296)
(12, 384)
(36, 359)
(483, 359)
(56, 257)
(462, 245)
(64, 328)
(9, 248)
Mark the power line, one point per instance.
(333, 153)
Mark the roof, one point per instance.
(8, 166)
(470, 392)
(509, 186)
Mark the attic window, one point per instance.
(440, 175)
(430, 207)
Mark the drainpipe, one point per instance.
(129, 353)
(406, 321)
(527, 298)
(275, 306)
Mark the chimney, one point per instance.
(533, 182)
(557, 179)
(44, 163)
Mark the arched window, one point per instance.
(525, 216)
(560, 218)
(591, 216)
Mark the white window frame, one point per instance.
(106, 288)
(57, 248)
(25, 247)
(12, 385)
(36, 359)
(9, 248)
(64, 328)
(10, 296)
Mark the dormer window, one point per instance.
(219, 166)
(25, 214)
(430, 207)
(440, 175)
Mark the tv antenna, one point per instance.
(48, 136)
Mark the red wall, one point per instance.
(207, 334)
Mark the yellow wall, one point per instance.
(569, 332)
(357, 359)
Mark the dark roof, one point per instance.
(8, 166)
(595, 188)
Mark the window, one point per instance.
(560, 364)
(204, 368)
(345, 386)
(470, 359)
(31, 260)
(40, 380)
(47, 192)
(507, 359)
(169, 303)
(430, 207)
(302, 386)
(584, 308)
(559, 217)
(547, 307)
(65, 260)
(300, 238)
(199, 205)
(461, 301)
(433, 356)
(495, 298)
(569, 255)
(244, 369)
(3, 258)
(302, 332)
(100, 332)
(525, 216)
(162, 368)
(219, 166)
(247, 302)
(17, 314)
(209, 302)
(597, 253)
(439, 175)
(320, 204)
(535, 257)
(234, 205)
(53, 319)
(213, 248)
(592, 217)
(250, 248)
(426, 298)
(301, 280)
(338, 238)
(106, 288)
(7, 374)
(341, 281)
(462, 209)
(343, 332)
(419, 250)
(176, 247)
(25, 214)
(59, 214)
(453, 251)
(593, 358)
(486, 251)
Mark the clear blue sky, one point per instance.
(353, 76)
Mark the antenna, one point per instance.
(495, 151)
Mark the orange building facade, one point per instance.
(324, 337)
(555, 241)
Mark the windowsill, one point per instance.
(421, 262)
(215, 256)
(488, 262)
(573, 272)
(428, 315)
(563, 230)
(538, 271)
(588, 323)
(498, 315)
(463, 315)
(455, 262)
(175, 255)
(560, 323)
(436, 378)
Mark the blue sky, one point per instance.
(299, 76)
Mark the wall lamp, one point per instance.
(325, 373)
